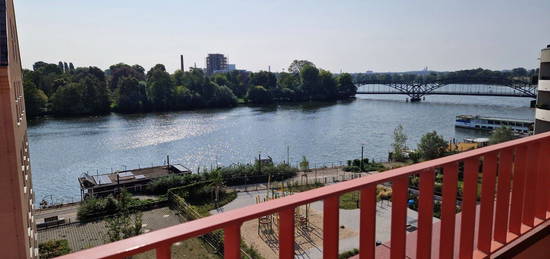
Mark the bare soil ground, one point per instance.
(306, 238)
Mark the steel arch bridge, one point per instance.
(418, 89)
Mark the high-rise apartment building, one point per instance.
(542, 114)
(17, 226)
(215, 62)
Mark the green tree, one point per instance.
(159, 87)
(124, 224)
(310, 80)
(67, 100)
(121, 70)
(288, 80)
(238, 82)
(216, 177)
(520, 72)
(327, 86)
(222, 97)
(432, 146)
(183, 98)
(266, 79)
(130, 96)
(220, 79)
(35, 99)
(399, 144)
(195, 80)
(297, 65)
(501, 134)
(96, 95)
(259, 95)
(346, 87)
(44, 76)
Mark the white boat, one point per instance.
(491, 123)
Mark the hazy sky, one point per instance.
(354, 36)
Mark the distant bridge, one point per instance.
(416, 90)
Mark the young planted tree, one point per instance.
(501, 134)
(399, 144)
(432, 146)
(304, 164)
(217, 183)
(125, 224)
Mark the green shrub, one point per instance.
(161, 185)
(415, 156)
(54, 248)
(348, 254)
(355, 166)
(352, 168)
(94, 208)
(249, 174)
(97, 207)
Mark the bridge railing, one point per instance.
(513, 179)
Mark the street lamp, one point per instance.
(362, 153)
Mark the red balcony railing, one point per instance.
(514, 199)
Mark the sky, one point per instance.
(346, 35)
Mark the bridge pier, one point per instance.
(415, 99)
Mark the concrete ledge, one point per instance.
(544, 85)
(542, 114)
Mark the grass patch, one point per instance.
(205, 209)
(250, 251)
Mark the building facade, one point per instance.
(542, 114)
(215, 62)
(17, 226)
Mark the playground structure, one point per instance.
(301, 213)
(268, 226)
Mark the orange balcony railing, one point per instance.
(514, 200)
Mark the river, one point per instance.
(326, 133)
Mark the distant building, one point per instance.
(17, 224)
(542, 114)
(215, 62)
(229, 68)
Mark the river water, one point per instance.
(326, 133)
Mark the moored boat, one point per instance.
(491, 123)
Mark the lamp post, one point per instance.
(362, 152)
(288, 155)
(260, 162)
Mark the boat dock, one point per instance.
(134, 180)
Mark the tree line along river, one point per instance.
(326, 133)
